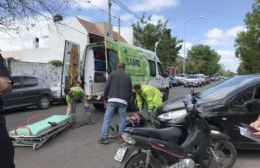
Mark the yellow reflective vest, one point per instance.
(151, 95)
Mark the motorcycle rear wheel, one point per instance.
(139, 161)
(226, 155)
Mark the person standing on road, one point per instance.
(148, 99)
(118, 91)
(6, 146)
(74, 95)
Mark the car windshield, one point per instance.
(182, 76)
(224, 89)
(192, 77)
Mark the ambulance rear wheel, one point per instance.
(99, 106)
(165, 94)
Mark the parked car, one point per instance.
(174, 82)
(193, 81)
(207, 80)
(225, 106)
(182, 78)
(27, 91)
(202, 78)
(56, 92)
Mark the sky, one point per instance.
(222, 20)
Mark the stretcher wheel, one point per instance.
(35, 147)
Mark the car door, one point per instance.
(71, 66)
(238, 113)
(30, 92)
(161, 77)
(14, 99)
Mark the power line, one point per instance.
(114, 16)
(120, 4)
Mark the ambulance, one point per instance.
(102, 58)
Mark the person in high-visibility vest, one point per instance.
(148, 99)
(73, 95)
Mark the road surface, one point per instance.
(78, 148)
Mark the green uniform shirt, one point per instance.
(151, 95)
(77, 93)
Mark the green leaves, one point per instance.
(147, 34)
(247, 46)
(202, 59)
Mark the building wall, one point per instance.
(49, 74)
(54, 40)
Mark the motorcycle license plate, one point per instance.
(120, 154)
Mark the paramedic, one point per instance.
(74, 95)
(118, 91)
(148, 99)
(6, 146)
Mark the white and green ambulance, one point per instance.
(101, 58)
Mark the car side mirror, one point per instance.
(253, 106)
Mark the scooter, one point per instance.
(193, 145)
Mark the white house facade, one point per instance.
(48, 44)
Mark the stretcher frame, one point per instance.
(36, 142)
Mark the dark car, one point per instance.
(27, 91)
(207, 80)
(225, 106)
(174, 82)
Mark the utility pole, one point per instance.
(109, 19)
(119, 33)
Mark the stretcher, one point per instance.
(36, 134)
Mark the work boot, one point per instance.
(103, 141)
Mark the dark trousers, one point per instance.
(6, 147)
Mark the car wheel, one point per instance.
(166, 95)
(44, 102)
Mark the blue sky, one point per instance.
(223, 19)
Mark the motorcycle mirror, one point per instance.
(192, 91)
(194, 100)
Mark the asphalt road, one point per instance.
(78, 148)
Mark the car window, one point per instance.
(257, 93)
(225, 88)
(192, 77)
(244, 97)
(160, 69)
(29, 81)
(152, 67)
(17, 82)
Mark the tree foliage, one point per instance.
(248, 42)
(202, 59)
(11, 10)
(147, 34)
(56, 63)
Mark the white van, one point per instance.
(101, 58)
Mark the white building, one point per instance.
(48, 40)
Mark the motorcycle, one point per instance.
(192, 145)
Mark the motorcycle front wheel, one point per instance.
(139, 161)
(222, 154)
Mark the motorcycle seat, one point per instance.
(166, 134)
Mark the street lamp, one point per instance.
(184, 40)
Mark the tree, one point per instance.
(247, 42)
(168, 48)
(11, 10)
(203, 59)
(147, 34)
